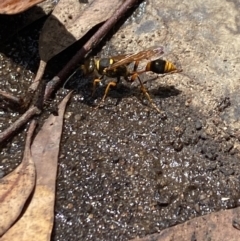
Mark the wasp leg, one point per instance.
(136, 73)
(110, 84)
(135, 66)
(95, 82)
(145, 92)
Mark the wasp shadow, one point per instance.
(83, 86)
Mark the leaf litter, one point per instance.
(37, 221)
(213, 226)
(23, 20)
(16, 6)
(16, 187)
(70, 21)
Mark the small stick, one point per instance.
(33, 87)
(22, 120)
(10, 98)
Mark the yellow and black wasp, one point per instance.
(118, 66)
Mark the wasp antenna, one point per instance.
(69, 78)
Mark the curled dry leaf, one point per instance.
(222, 225)
(16, 187)
(70, 21)
(16, 6)
(37, 221)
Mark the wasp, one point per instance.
(118, 66)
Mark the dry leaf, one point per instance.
(16, 187)
(70, 21)
(53, 25)
(37, 221)
(222, 225)
(16, 6)
(20, 21)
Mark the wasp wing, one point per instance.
(129, 58)
(118, 58)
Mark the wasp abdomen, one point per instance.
(160, 66)
(169, 67)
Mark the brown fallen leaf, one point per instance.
(220, 226)
(16, 6)
(70, 21)
(16, 187)
(20, 21)
(37, 221)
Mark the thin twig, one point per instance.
(38, 78)
(11, 98)
(91, 43)
(22, 120)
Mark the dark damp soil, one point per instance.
(124, 169)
